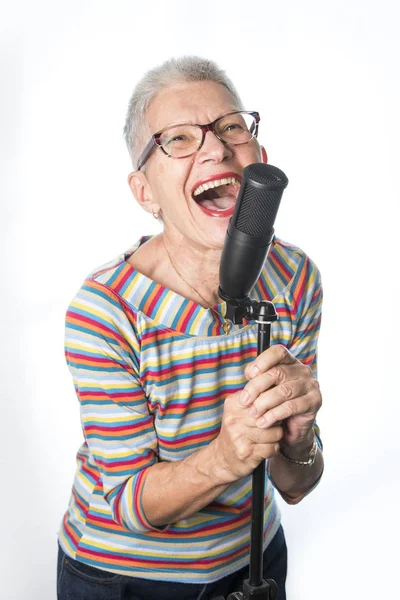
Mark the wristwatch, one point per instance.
(303, 463)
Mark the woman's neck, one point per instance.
(196, 267)
(191, 271)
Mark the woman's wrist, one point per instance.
(301, 451)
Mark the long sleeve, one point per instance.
(305, 300)
(102, 354)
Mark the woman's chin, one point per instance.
(216, 233)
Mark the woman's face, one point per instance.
(172, 182)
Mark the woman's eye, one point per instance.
(233, 127)
(175, 139)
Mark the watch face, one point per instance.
(313, 453)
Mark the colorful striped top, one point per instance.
(151, 370)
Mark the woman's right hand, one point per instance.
(241, 445)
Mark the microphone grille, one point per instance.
(267, 175)
(264, 185)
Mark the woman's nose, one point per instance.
(213, 148)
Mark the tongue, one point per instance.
(220, 203)
(221, 198)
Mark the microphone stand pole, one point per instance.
(256, 587)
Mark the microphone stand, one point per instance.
(255, 587)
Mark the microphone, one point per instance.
(251, 231)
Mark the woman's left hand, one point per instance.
(282, 390)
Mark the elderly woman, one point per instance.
(177, 409)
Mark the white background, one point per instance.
(325, 78)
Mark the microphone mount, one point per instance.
(238, 309)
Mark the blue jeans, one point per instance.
(79, 581)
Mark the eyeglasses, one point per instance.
(180, 141)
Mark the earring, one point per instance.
(156, 215)
(264, 155)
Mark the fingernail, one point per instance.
(260, 422)
(253, 371)
(244, 398)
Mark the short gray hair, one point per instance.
(185, 69)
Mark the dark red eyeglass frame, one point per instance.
(155, 138)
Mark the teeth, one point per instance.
(215, 183)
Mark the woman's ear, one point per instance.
(264, 155)
(141, 191)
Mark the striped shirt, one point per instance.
(151, 370)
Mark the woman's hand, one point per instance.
(281, 390)
(276, 408)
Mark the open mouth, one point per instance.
(218, 196)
